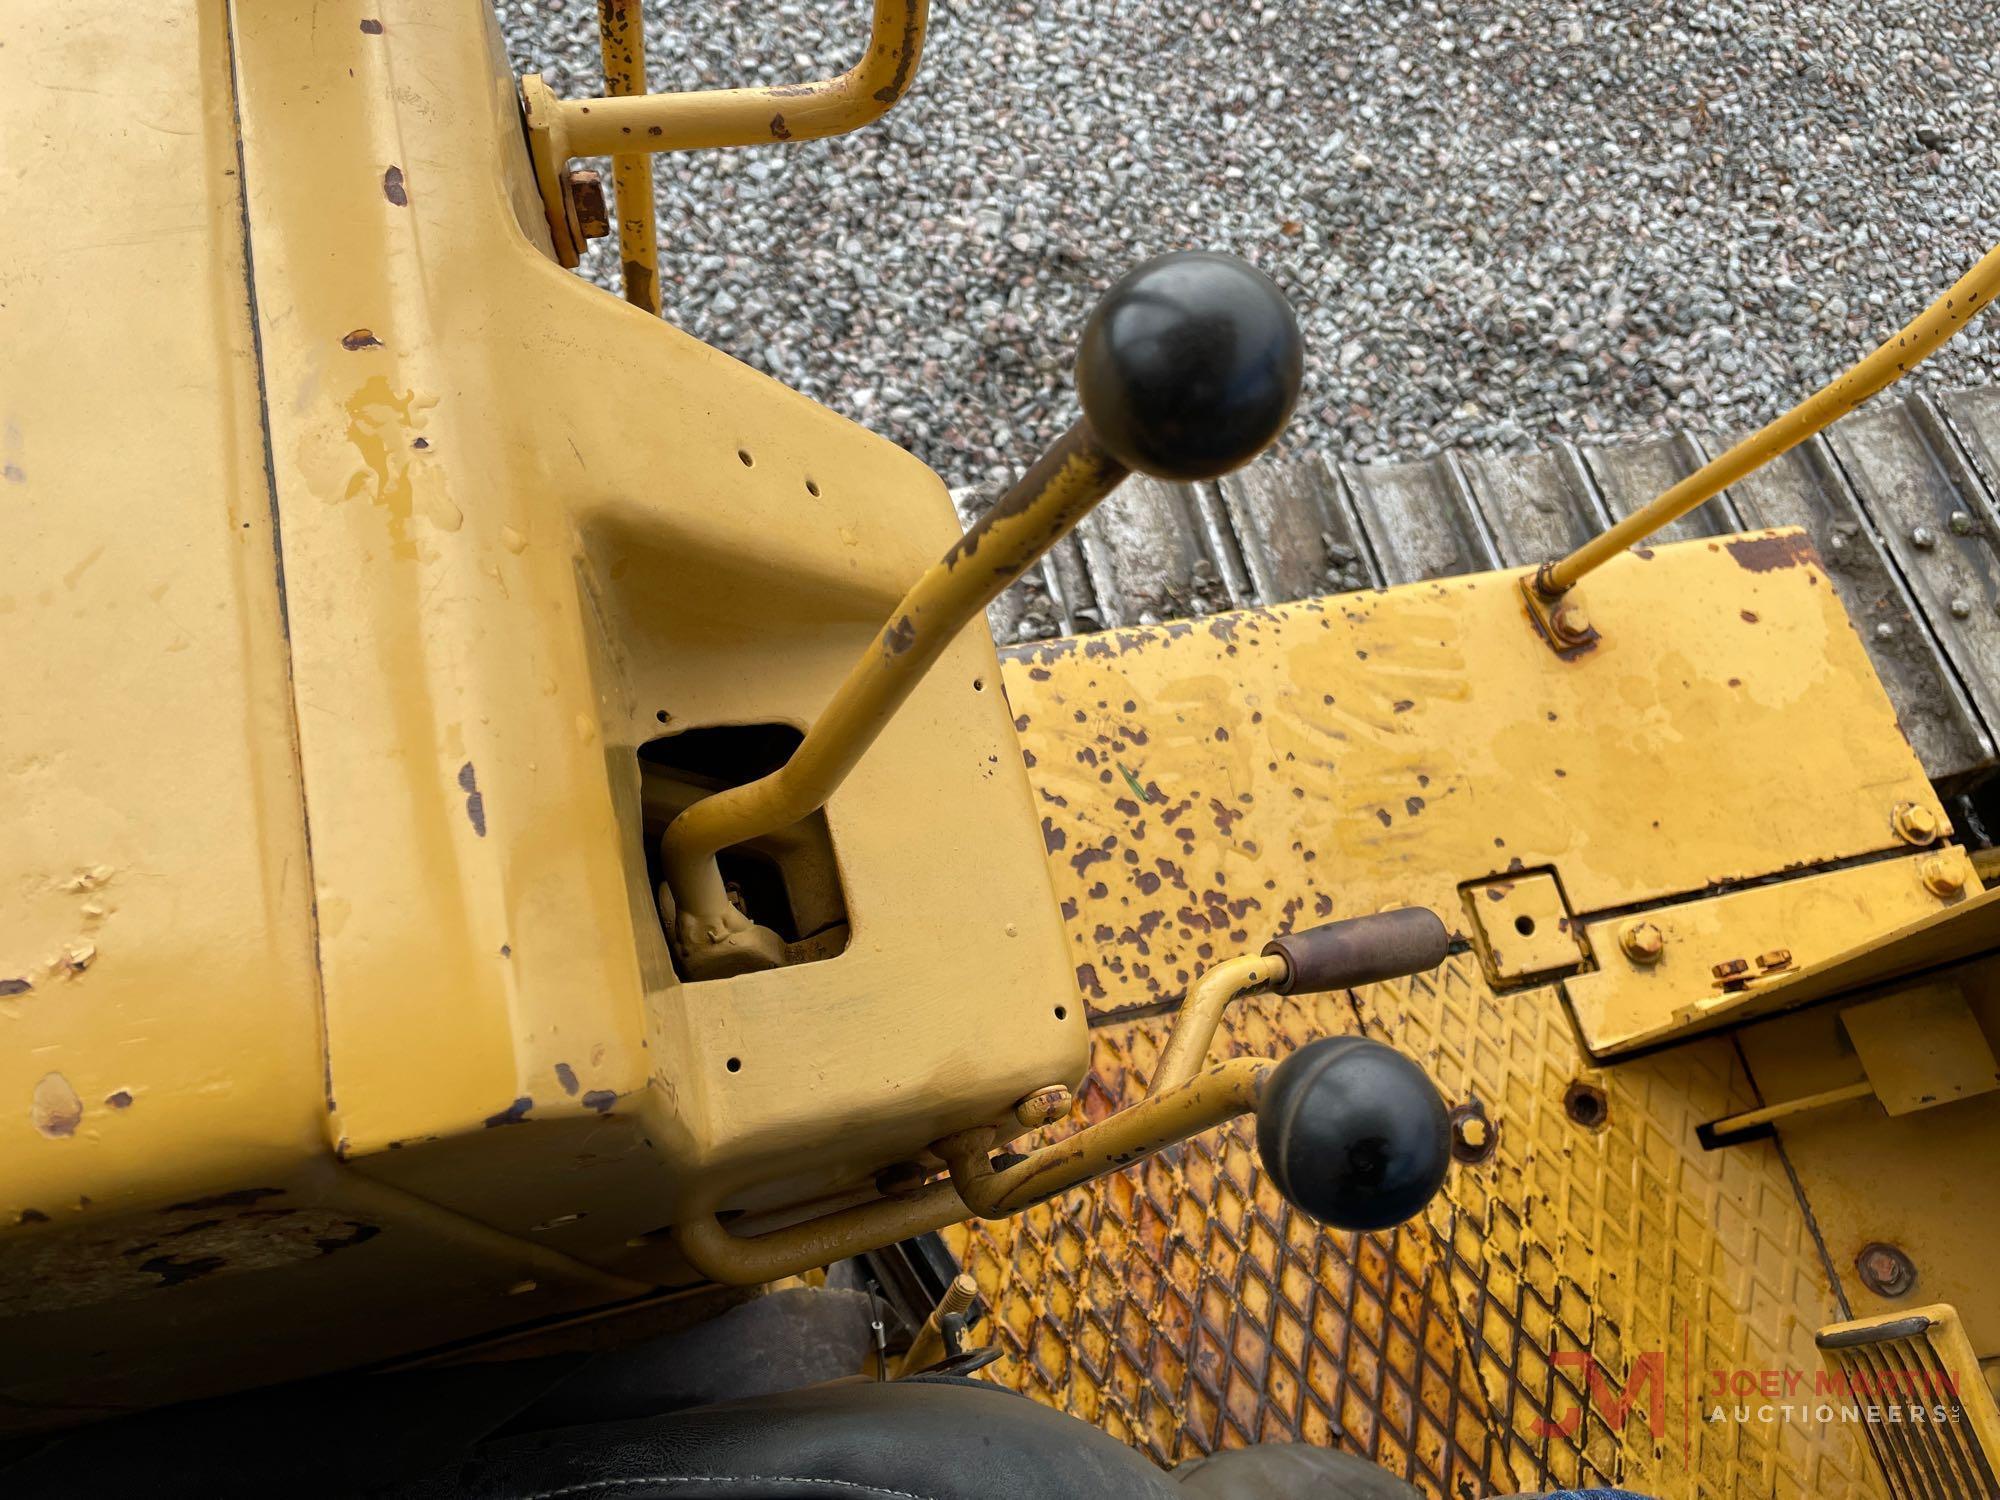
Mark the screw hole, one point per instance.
(1525, 925)
(744, 454)
(1062, 1012)
(663, 716)
(1586, 1105)
(812, 488)
(735, 1065)
(979, 684)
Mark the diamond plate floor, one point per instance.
(1184, 1306)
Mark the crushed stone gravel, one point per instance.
(1501, 224)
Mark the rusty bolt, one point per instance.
(1942, 874)
(1885, 1270)
(1733, 968)
(1777, 958)
(1643, 942)
(586, 193)
(1044, 1106)
(1570, 624)
(1914, 823)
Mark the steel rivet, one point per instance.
(1643, 942)
(1885, 631)
(1914, 824)
(1961, 523)
(1924, 537)
(1960, 609)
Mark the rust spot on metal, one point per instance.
(372, 26)
(780, 131)
(600, 1100)
(1087, 981)
(358, 1233)
(640, 282)
(14, 987)
(900, 636)
(475, 800)
(1053, 838)
(56, 1109)
(360, 338)
(513, 1114)
(121, 1099)
(392, 187)
(239, 1198)
(566, 1076)
(173, 1271)
(906, 59)
(1765, 554)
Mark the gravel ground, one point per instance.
(1499, 224)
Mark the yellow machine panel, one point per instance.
(1201, 783)
(387, 617)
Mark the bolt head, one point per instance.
(1960, 610)
(1569, 622)
(586, 191)
(1961, 523)
(1915, 823)
(1643, 942)
(1942, 874)
(1924, 537)
(1885, 631)
(1886, 1271)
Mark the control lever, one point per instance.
(1189, 367)
(1353, 1133)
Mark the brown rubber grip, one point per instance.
(1361, 950)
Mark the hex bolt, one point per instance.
(1960, 610)
(1961, 524)
(1570, 624)
(1885, 1270)
(1044, 1106)
(1943, 874)
(1914, 823)
(1643, 942)
(586, 190)
(1777, 958)
(1924, 537)
(1885, 631)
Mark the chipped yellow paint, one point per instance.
(1333, 757)
(354, 549)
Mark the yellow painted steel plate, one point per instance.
(1206, 784)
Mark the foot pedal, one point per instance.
(1929, 1416)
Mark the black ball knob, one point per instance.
(1353, 1133)
(1190, 366)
